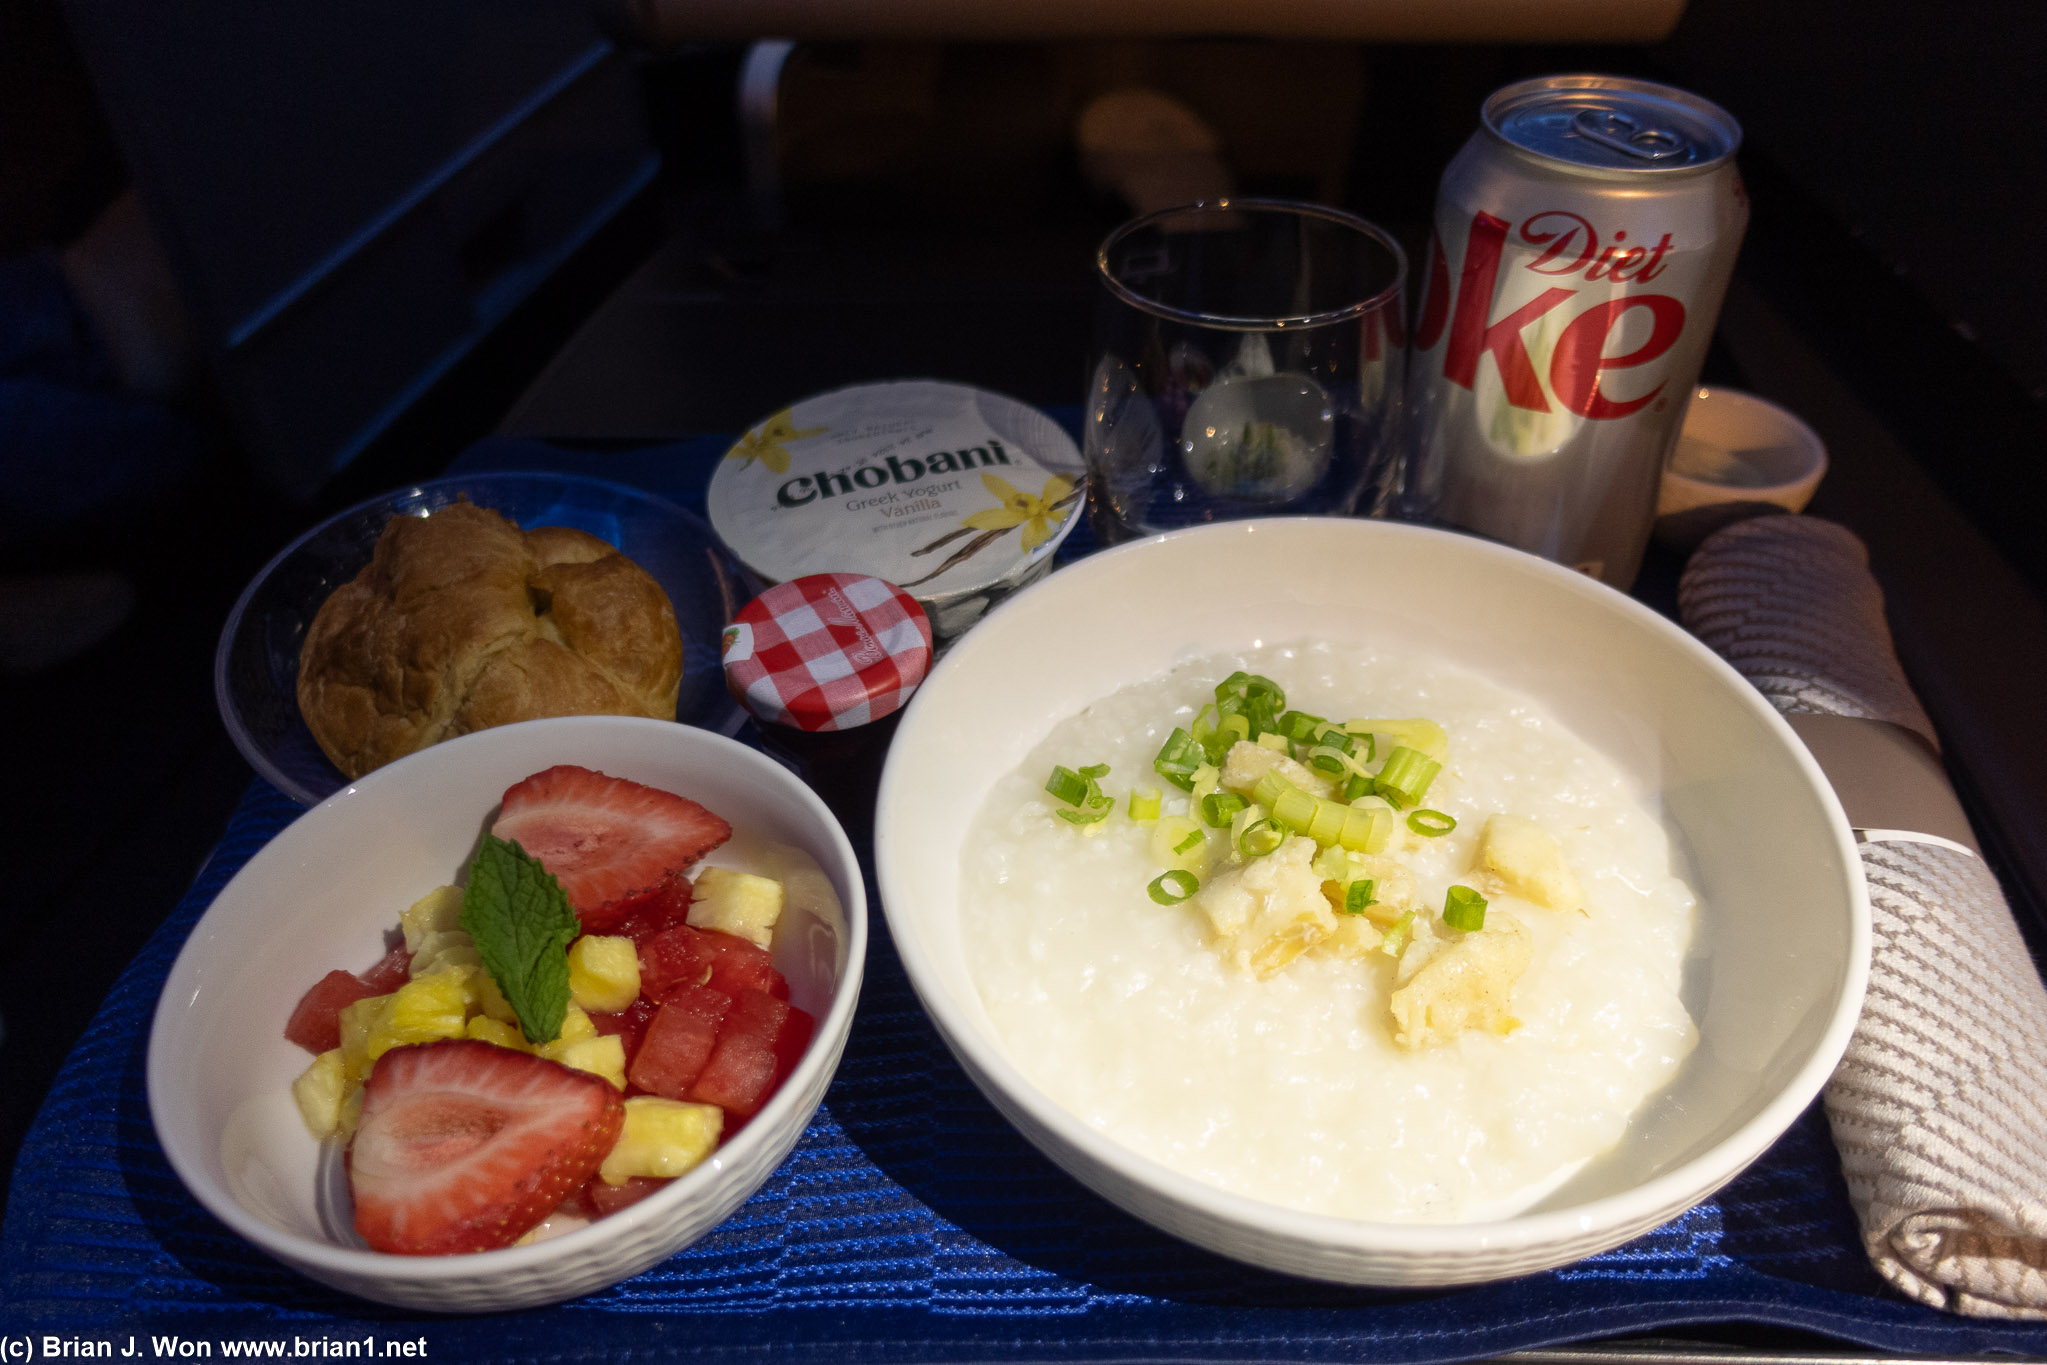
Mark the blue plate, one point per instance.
(256, 668)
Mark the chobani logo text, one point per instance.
(892, 469)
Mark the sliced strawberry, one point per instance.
(679, 1041)
(464, 1146)
(315, 1024)
(605, 838)
(604, 1199)
(646, 913)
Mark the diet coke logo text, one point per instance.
(1569, 246)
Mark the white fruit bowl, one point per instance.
(1782, 945)
(324, 893)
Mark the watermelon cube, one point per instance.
(790, 1044)
(393, 970)
(679, 1041)
(683, 956)
(316, 1024)
(740, 1074)
(629, 1024)
(672, 958)
(604, 1199)
(737, 965)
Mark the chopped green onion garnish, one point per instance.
(1358, 895)
(1396, 937)
(1274, 741)
(1178, 760)
(1366, 829)
(1295, 809)
(1082, 790)
(1178, 841)
(1362, 829)
(1431, 823)
(1464, 909)
(1331, 761)
(1251, 687)
(1208, 732)
(1259, 838)
(1331, 865)
(1170, 888)
(1145, 803)
(1218, 808)
(1357, 786)
(1406, 776)
(1418, 733)
(1068, 785)
(1299, 726)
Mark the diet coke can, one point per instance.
(1583, 239)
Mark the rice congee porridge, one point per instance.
(1354, 932)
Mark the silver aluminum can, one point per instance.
(1583, 239)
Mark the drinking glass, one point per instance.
(1247, 361)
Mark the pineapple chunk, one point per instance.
(737, 903)
(351, 1112)
(576, 1025)
(485, 998)
(604, 972)
(359, 1023)
(1246, 762)
(422, 1010)
(603, 1055)
(319, 1091)
(1465, 981)
(661, 1138)
(485, 1029)
(441, 949)
(437, 911)
(1525, 858)
(1265, 913)
(438, 1001)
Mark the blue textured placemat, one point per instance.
(910, 1223)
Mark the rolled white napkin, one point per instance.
(1939, 1108)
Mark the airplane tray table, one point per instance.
(910, 1223)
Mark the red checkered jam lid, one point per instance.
(828, 651)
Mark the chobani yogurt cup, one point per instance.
(957, 494)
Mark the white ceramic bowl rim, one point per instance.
(351, 1262)
(1723, 1160)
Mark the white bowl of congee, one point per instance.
(1369, 902)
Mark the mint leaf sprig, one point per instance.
(522, 925)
